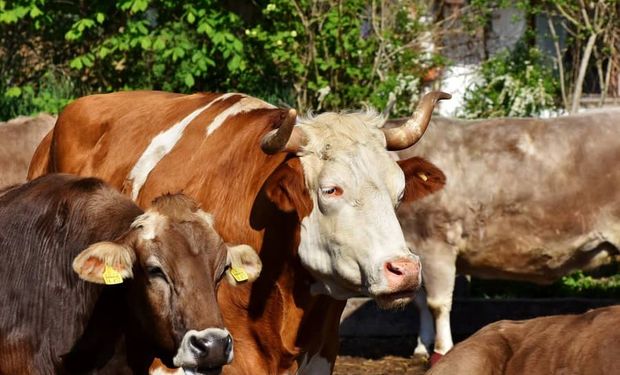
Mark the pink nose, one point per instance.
(402, 274)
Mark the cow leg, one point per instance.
(426, 334)
(438, 272)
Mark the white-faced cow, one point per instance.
(18, 140)
(316, 196)
(64, 238)
(584, 344)
(525, 199)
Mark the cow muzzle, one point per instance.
(204, 352)
(403, 279)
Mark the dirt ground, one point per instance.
(378, 356)
(347, 365)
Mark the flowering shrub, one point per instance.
(513, 84)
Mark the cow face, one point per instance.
(351, 240)
(174, 261)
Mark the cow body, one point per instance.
(299, 208)
(53, 322)
(561, 344)
(18, 140)
(526, 199)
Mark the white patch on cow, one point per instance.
(207, 217)
(246, 104)
(161, 145)
(348, 150)
(149, 223)
(526, 145)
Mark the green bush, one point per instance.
(305, 53)
(518, 83)
(602, 283)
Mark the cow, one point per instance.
(92, 284)
(561, 344)
(315, 195)
(525, 199)
(18, 140)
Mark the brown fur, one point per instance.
(570, 344)
(52, 322)
(18, 141)
(255, 199)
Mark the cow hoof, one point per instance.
(435, 357)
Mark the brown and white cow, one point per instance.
(166, 261)
(525, 199)
(315, 195)
(584, 344)
(18, 140)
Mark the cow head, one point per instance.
(345, 187)
(173, 260)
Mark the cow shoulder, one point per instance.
(422, 178)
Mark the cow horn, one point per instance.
(285, 138)
(408, 134)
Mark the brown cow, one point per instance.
(526, 199)
(18, 140)
(584, 344)
(167, 262)
(315, 195)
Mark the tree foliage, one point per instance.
(307, 53)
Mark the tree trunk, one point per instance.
(587, 52)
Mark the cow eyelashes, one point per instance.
(332, 191)
(156, 272)
(221, 275)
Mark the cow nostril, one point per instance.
(393, 268)
(198, 345)
(228, 345)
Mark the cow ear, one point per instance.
(245, 265)
(287, 190)
(421, 178)
(105, 263)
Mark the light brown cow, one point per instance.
(18, 140)
(315, 195)
(526, 199)
(584, 344)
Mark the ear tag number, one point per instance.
(238, 274)
(111, 276)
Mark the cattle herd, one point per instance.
(164, 233)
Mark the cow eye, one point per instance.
(221, 275)
(332, 191)
(156, 272)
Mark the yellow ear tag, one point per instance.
(238, 274)
(423, 176)
(111, 276)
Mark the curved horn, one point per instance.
(409, 133)
(285, 138)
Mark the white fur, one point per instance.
(246, 104)
(161, 145)
(346, 241)
(151, 223)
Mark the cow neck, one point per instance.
(276, 317)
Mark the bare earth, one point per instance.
(346, 365)
(378, 356)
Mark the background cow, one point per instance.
(18, 140)
(167, 260)
(562, 344)
(525, 199)
(315, 195)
